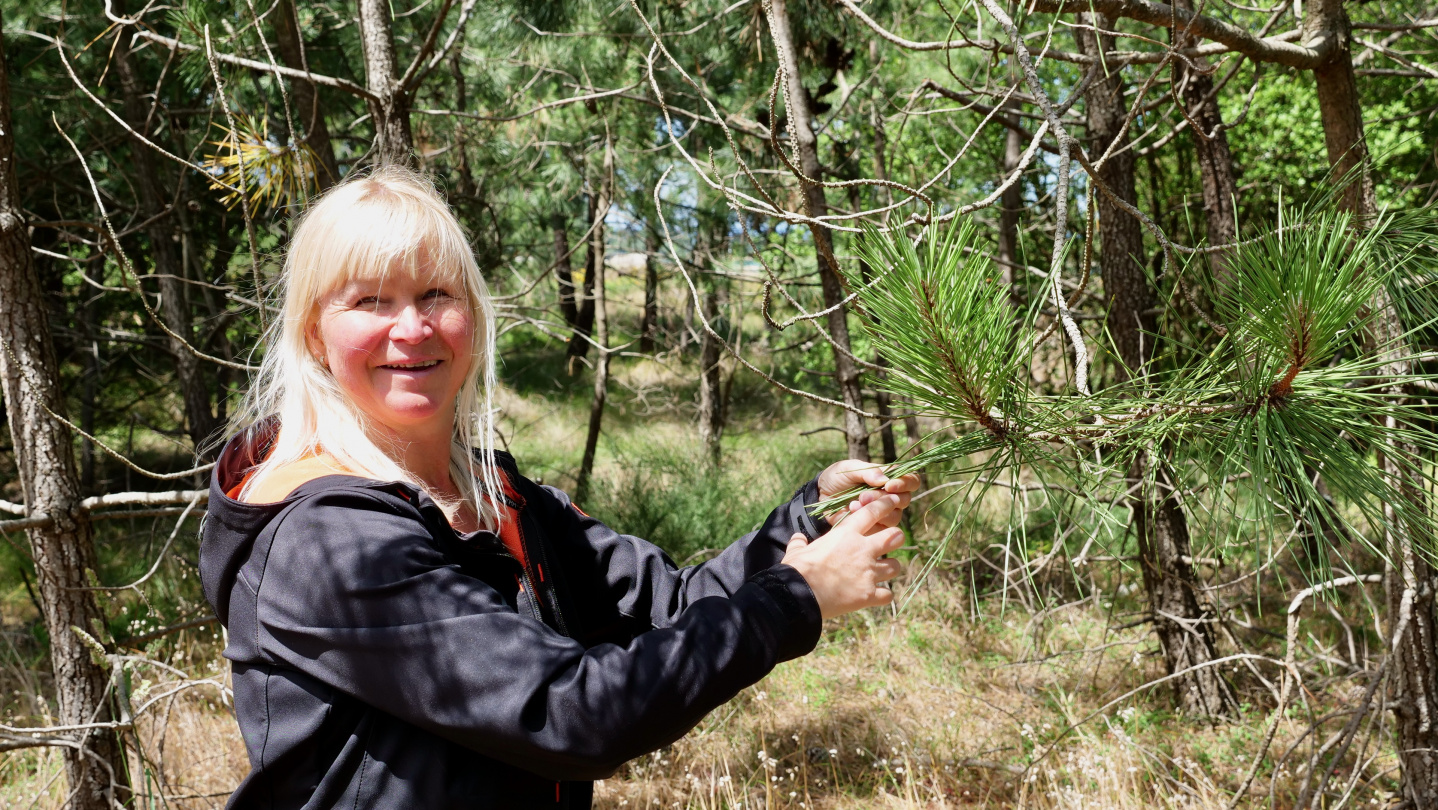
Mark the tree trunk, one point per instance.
(1414, 684)
(711, 392)
(1183, 624)
(394, 141)
(601, 325)
(1408, 573)
(1415, 687)
(563, 270)
(584, 315)
(291, 46)
(1011, 202)
(881, 171)
(1215, 161)
(461, 138)
(194, 387)
(882, 399)
(64, 551)
(801, 129)
(89, 391)
(1339, 108)
(649, 324)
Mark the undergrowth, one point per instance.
(988, 690)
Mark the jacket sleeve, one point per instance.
(356, 594)
(642, 581)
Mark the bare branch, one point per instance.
(541, 108)
(1263, 49)
(412, 73)
(254, 64)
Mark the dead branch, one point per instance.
(278, 70)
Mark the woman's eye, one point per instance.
(367, 301)
(436, 294)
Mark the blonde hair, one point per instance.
(360, 229)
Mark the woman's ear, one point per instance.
(315, 344)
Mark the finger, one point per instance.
(907, 483)
(885, 570)
(796, 543)
(890, 520)
(886, 541)
(874, 477)
(869, 516)
(882, 596)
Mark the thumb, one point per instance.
(796, 543)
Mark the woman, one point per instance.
(411, 622)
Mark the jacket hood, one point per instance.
(231, 526)
(228, 534)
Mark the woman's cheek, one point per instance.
(458, 329)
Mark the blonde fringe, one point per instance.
(362, 228)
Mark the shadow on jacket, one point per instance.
(382, 660)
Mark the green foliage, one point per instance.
(1290, 296)
(674, 498)
(1302, 384)
(940, 314)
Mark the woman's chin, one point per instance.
(415, 415)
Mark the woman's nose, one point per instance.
(411, 326)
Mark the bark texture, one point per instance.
(1210, 141)
(801, 129)
(170, 271)
(584, 295)
(314, 132)
(883, 400)
(64, 551)
(394, 141)
(1011, 202)
(1413, 692)
(564, 269)
(1410, 583)
(1182, 621)
(1339, 106)
(649, 323)
(601, 325)
(711, 378)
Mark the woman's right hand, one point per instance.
(846, 568)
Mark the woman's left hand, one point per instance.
(850, 473)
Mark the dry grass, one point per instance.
(955, 703)
(923, 711)
(939, 707)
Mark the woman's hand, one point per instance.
(850, 473)
(846, 568)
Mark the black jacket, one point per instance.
(381, 660)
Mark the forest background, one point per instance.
(1148, 568)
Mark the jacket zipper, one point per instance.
(527, 585)
(538, 562)
(534, 554)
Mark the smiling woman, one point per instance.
(412, 622)
(379, 276)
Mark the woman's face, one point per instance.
(399, 347)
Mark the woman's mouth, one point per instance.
(415, 366)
